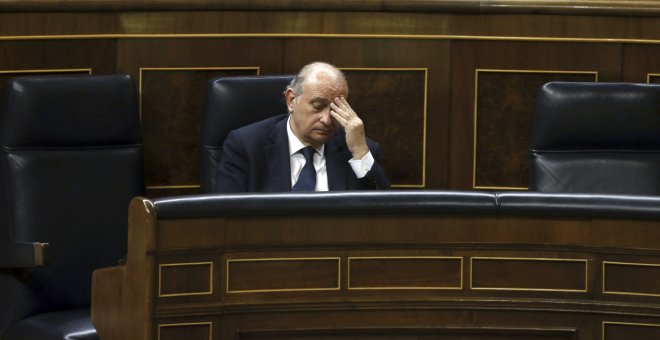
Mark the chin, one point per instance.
(319, 139)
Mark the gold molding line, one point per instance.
(327, 36)
(55, 70)
(358, 258)
(182, 324)
(630, 264)
(229, 261)
(651, 75)
(605, 323)
(183, 264)
(586, 274)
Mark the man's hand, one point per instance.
(352, 124)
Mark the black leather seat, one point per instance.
(71, 161)
(233, 102)
(596, 138)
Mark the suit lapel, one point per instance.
(277, 155)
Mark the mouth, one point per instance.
(323, 131)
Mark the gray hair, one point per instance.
(297, 82)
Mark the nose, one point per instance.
(326, 117)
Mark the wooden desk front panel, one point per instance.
(406, 277)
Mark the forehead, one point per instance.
(323, 84)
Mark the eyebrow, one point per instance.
(319, 100)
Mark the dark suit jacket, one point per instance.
(255, 158)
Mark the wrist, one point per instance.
(359, 153)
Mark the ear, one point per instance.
(289, 96)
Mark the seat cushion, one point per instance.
(73, 324)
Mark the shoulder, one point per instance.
(268, 122)
(254, 136)
(261, 127)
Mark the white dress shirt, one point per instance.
(297, 161)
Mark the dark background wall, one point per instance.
(448, 88)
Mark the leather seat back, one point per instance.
(596, 138)
(233, 102)
(71, 162)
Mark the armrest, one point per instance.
(23, 254)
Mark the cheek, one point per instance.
(310, 121)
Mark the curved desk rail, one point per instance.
(409, 264)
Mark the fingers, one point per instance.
(356, 141)
(341, 110)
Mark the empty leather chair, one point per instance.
(596, 138)
(71, 161)
(233, 102)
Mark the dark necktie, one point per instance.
(307, 178)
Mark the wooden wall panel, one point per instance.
(392, 103)
(283, 275)
(173, 76)
(412, 272)
(171, 107)
(531, 274)
(56, 23)
(470, 56)
(98, 54)
(410, 333)
(427, 143)
(185, 330)
(613, 330)
(514, 24)
(504, 108)
(54, 57)
(641, 63)
(632, 279)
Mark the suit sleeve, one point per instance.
(233, 170)
(375, 179)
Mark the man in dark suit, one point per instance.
(319, 146)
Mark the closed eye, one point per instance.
(319, 104)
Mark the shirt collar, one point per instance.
(294, 143)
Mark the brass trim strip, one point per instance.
(424, 114)
(631, 264)
(229, 261)
(210, 324)
(604, 323)
(326, 35)
(160, 278)
(358, 258)
(54, 70)
(651, 75)
(586, 274)
(476, 109)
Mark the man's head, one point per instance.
(308, 98)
